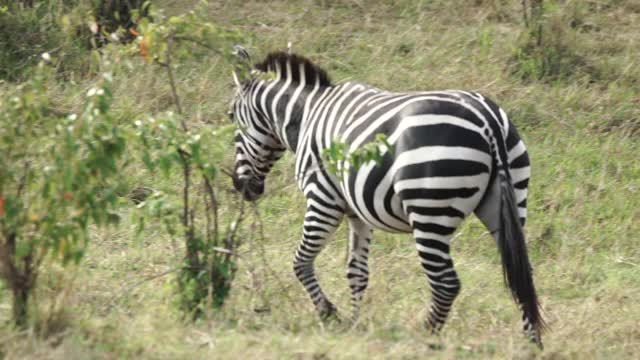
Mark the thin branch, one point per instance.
(127, 290)
(265, 263)
(192, 215)
(172, 82)
(213, 201)
(200, 43)
(229, 240)
(8, 269)
(224, 251)
(187, 212)
(208, 219)
(13, 335)
(187, 218)
(23, 180)
(186, 172)
(228, 173)
(28, 271)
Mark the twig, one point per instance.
(8, 269)
(12, 336)
(207, 218)
(224, 251)
(187, 221)
(621, 260)
(23, 179)
(264, 259)
(214, 205)
(126, 291)
(229, 240)
(200, 43)
(228, 173)
(172, 82)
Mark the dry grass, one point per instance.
(584, 207)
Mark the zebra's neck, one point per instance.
(287, 107)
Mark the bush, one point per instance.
(51, 193)
(549, 46)
(66, 29)
(54, 26)
(167, 143)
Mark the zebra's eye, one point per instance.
(230, 115)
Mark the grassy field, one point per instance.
(581, 124)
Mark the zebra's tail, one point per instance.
(515, 260)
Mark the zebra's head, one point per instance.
(257, 147)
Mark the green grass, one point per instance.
(584, 214)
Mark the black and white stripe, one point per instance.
(453, 153)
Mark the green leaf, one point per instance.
(23, 248)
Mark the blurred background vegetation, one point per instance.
(566, 71)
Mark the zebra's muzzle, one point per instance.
(250, 188)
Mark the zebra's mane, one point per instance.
(279, 59)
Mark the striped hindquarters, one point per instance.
(438, 169)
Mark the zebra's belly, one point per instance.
(390, 207)
(436, 184)
(374, 201)
(392, 219)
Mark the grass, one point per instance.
(582, 132)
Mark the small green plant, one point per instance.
(57, 177)
(168, 143)
(28, 30)
(338, 158)
(119, 18)
(208, 267)
(66, 29)
(549, 46)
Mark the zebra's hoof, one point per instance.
(327, 311)
(535, 338)
(538, 343)
(433, 327)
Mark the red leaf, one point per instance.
(143, 49)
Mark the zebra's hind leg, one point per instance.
(357, 265)
(432, 242)
(318, 228)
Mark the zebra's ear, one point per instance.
(242, 66)
(235, 78)
(241, 53)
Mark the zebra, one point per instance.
(451, 153)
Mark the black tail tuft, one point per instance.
(515, 260)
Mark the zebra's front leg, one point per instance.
(357, 265)
(318, 228)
